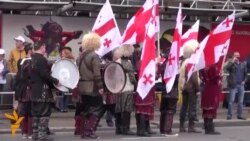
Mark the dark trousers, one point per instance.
(92, 105)
(40, 112)
(189, 106)
(167, 109)
(110, 111)
(92, 110)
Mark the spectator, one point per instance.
(16, 54)
(3, 70)
(236, 81)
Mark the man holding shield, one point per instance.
(41, 98)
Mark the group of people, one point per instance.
(34, 84)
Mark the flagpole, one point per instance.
(158, 42)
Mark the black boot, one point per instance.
(211, 128)
(141, 126)
(126, 124)
(118, 123)
(162, 122)
(206, 125)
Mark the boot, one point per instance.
(93, 122)
(191, 128)
(162, 122)
(84, 127)
(148, 129)
(78, 124)
(118, 123)
(126, 123)
(169, 123)
(182, 127)
(141, 126)
(88, 129)
(35, 124)
(206, 125)
(43, 128)
(211, 130)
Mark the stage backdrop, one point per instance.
(240, 39)
(14, 25)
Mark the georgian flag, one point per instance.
(191, 34)
(106, 27)
(216, 44)
(137, 26)
(148, 64)
(172, 65)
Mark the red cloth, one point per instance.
(145, 106)
(211, 91)
(109, 98)
(212, 113)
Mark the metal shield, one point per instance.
(114, 77)
(66, 72)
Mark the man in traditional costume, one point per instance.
(124, 103)
(189, 89)
(23, 91)
(211, 78)
(90, 85)
(41, 98)
(168, 103)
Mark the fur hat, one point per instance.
(126, 50)
(91, 41)
(189, 47)
(116, 53)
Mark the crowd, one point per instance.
(34, 84)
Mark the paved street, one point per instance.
(64, 122)
(228, 134)
(63, 125)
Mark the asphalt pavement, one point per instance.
(236, 133)
(64, 122)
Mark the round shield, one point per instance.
(66, 72)
(114, 77)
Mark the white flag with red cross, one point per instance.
(106, 27)
(136, 27)
(194, 58)
(172, 65)
(216, 44)
(148, 64)
(191, 34)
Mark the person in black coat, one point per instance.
(41, 98)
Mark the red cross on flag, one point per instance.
(194, 58)
(106, 26)
(191, 34)
(136, 28)
(216, 44)
(172, 65)
(148, 65)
